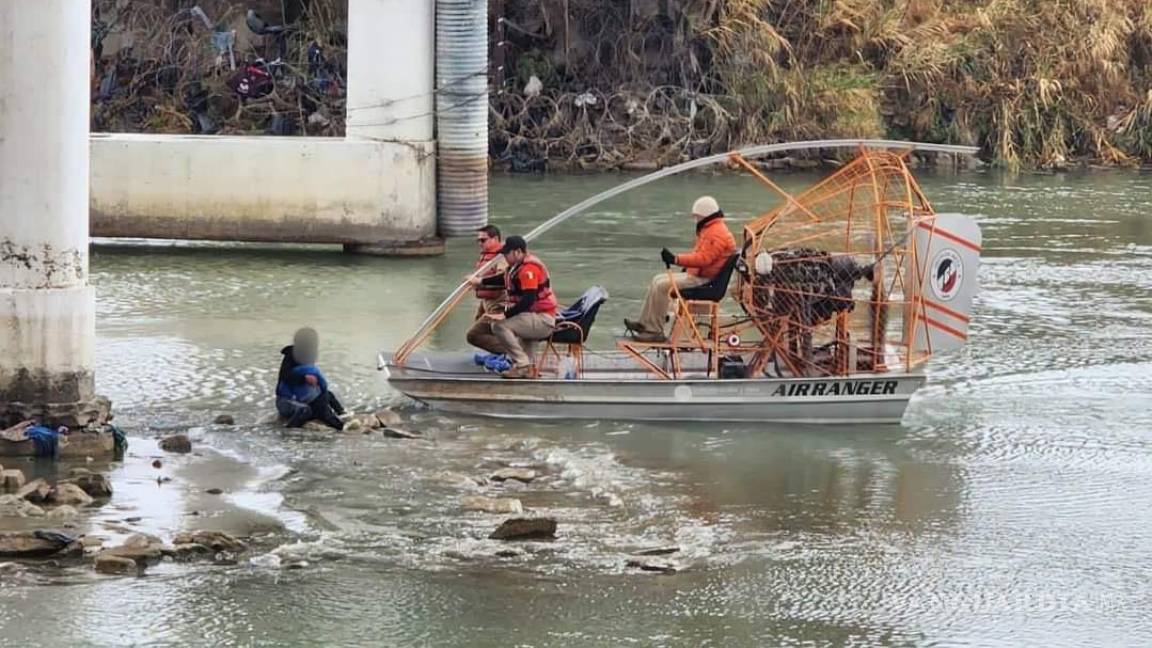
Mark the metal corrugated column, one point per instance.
(462, 115)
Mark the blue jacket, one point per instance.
(291, 383)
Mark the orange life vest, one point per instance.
(490, 251)
(520, 273)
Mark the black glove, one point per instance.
(668, 257)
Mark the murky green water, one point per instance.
(1013, 507)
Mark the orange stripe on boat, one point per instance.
(947, 329)
(947, 311)
(951, 237)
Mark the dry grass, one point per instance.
(1032, 82)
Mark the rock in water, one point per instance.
(12, 480)
(62, 513)
(35, 491)
(15, 506)
(189, 550)
(31, 543)
(519, 474)
(270, 418)
(139, 547)
(388, 418)
(492, 504)
(525, 529)
(71, 494)
(355, 425)
(654, 565)
(658, 551)
(111, 564)
(225, 419)
(397, 433)
(178, 443)
(215, 540)
(316, 426)
(95, 485)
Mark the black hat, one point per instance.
(513, 243)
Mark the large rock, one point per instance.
(225, 419)
(11, 481)
(35, 491)
(28, 544)
(525, 529)
(492, 504)
(653, 565)
(524, 475)
(111, 564)
(72, 494)
(62, 513)
(188, 550)
(215, 540)
(96, 485)
(16, 506)
(398, 433)
(178, 443)
(139, 547)
(388, 418)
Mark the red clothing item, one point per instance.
(490, 251)
(714, 246)
(531, 275)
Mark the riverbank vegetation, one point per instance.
(640, 83)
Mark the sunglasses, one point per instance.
(482, 239)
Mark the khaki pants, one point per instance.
(480, 334)
(659, 297)
(520, 334)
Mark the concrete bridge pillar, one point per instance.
(47, 310)
(391, 70)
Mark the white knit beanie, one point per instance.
(705, 206)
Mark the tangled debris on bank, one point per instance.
(646, 83)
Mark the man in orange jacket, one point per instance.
(491, 306)
(714, 246)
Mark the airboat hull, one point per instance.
(450, 383)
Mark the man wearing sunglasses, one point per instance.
(492, 298)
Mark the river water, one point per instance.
(1012, 507)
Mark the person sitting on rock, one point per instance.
(302, 393)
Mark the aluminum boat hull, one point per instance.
(449, 382)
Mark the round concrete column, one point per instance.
(391, 51)
(47, 322)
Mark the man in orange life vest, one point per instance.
(714, 246)
(480, 334)
(531, 312)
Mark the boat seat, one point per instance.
(717, 287)
(572, 327)
(701, 306)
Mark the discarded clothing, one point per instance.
(119, 438)
(496, 363)
(46, 440)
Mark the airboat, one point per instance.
(828, 313)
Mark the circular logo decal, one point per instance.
(947, 274)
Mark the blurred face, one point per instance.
(515, 256)
(482, 238)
